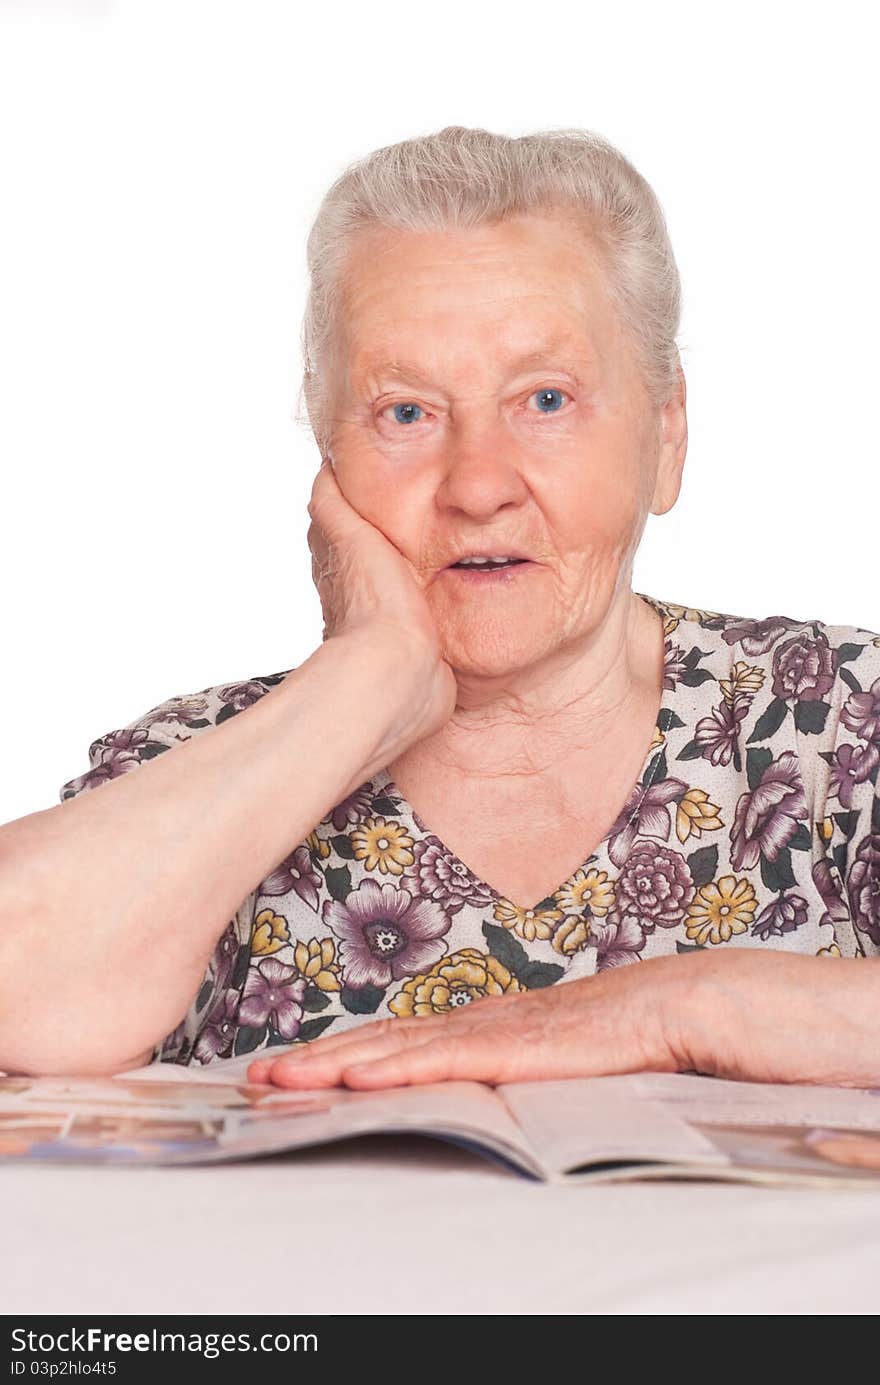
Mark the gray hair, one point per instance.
(461, 177)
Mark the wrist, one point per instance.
(692, 1007)
(390, 678)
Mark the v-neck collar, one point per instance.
(385, 785)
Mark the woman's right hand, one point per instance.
(367, 585)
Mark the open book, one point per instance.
(644, 1125)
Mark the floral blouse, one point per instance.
(755, 822)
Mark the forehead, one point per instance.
(519, 289)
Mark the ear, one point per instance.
(673, 448)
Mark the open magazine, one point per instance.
(642, 1125)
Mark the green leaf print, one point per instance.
(506, 949)
(757, 764)
(338, 879)
(770, 720)
(312, 1028)
(247, 1038)
(801, 840)
(777, 875)
(703, 865)
(343, 847)
(315, 999)
(538, 974)
(810, 717)
(361, 1000)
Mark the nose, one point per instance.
(481, 469)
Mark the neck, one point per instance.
(572, 701)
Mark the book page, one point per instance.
(716, 1100)
(576, 1121)
(164, 1119)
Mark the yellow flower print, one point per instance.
(747, 678)
(528, 923)
(270, 933)
(832, 950)
(678, 613)
(721, 909)
(696, 815)
(587, 889)
(571, 934)
(456, 980)
(658, 739)
(317, 846)
(383, 843)
(316, 961)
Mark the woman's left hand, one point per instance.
(744, 1014)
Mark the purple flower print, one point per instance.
(674, 665)
(216, 1039)
(804, 668)
(438, 875)
(353, 809)
(617, 940)
(861, 714)
(826, 881)
(717, 734)
(177, 710)
(852, 765)
(784, 915)
(757, 636)
(241, 695)
(273, 991)
(863, 884)
(655, 886)
(174, 1039)
(225, 954)
(296, 873)
(766, 819)
(650, 818)
(386, 934)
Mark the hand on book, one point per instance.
(759, 1017)
(613, 1022)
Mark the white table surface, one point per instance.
(390, 1224)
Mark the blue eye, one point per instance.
(403, 413)
(550, 396)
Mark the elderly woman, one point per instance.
(512, 820)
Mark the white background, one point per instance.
(160, 164)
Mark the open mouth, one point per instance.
(492, 572)
(492, 565)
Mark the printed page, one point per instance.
(578, 1121)
(789, 1132)
(717, 1101)
(129, 1118)
(469, 1110)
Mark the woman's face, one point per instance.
(486, 401)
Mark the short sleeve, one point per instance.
(206, 1030)
(853, 807)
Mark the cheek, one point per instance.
(391, 508)
(601, 512)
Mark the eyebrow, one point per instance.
(568, 358)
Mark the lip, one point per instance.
(498, 574)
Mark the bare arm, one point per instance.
(743, 1014)
(111, 903)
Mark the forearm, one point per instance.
(111, 904)
(778, 1017)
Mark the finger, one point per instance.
(319, 1064)
(395, 1029)
(437, 1060)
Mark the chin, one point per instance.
(491, 656)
